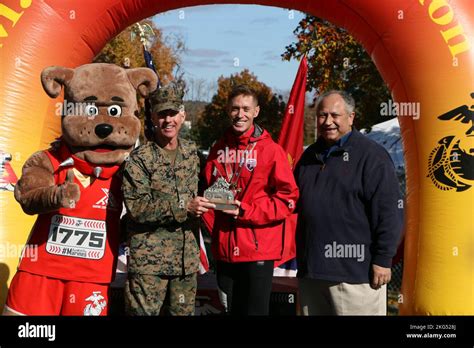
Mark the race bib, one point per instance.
(76, 237)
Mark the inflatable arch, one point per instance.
(423, 49)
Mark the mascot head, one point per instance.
(102, 126)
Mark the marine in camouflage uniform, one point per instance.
(158, 185)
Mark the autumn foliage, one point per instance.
(127, 51)
(337, 61)
(124, 51)
(215, 120)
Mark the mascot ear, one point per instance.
(54, 78)
(143, 79)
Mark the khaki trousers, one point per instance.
(321, 297)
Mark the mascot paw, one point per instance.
(69, 192)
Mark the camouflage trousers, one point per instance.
(147, 294)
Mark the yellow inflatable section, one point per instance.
(423, 49)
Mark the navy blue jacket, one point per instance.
(349, 210)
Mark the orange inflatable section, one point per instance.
(423, 49)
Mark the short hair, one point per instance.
(348, 99)
(245, 90)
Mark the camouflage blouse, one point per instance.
(160, 233)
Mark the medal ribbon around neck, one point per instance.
(231, 178)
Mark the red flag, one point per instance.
(291, 134)
(291, 139)
(203, 261)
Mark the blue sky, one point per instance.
(225, 39)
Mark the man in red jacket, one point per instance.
(248, 239)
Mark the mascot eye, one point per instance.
(91, 110)
(114, 110)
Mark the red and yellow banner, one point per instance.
(423, 49)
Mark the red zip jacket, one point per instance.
(268, 195)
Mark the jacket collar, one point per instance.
(346, 143)
(254, 134)
(341, 146)
(257, 132)
(183, 151)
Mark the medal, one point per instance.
(223, 192)
(233, 178)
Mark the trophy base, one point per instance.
(224, 206)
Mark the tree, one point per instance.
(122, 51)
(215, 120)
(128, 53)
(337, 61)
(309, 125)
(196, 89)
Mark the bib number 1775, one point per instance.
(76, 237)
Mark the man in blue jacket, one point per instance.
(350, 220)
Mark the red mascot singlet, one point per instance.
(81, 243)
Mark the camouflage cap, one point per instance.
(169, 97)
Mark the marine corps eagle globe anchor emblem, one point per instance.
(450, 166)
(96, 307)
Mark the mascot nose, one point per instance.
(103, 130)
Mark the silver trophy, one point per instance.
(220, 195)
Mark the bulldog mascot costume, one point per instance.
(75, 188)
